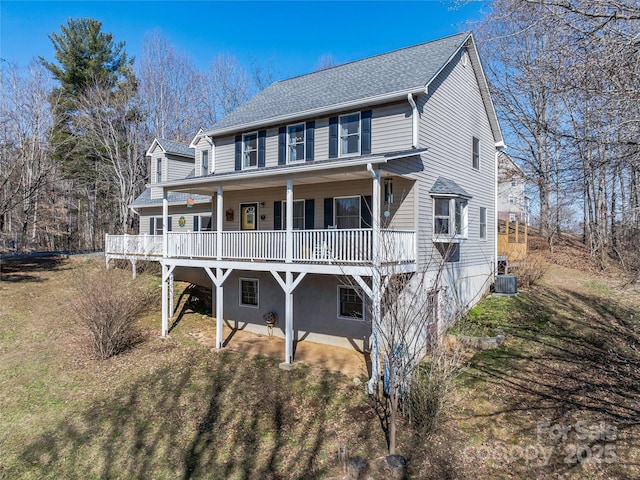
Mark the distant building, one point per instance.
(513, 204)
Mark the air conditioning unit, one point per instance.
(505, 285)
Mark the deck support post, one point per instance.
(288, 313)
(219, 308)
(165, 306)
(171, 295)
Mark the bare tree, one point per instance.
(112, 124)
(171, 89)
(26, 166)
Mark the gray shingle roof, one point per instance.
(176, 148)
(409, 68)
(145, 200)
(444, 186)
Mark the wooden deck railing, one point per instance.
(352, 246)
(512, 240)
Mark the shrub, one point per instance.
(530, 270)
(108, 302)
(432, 387)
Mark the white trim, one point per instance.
(257, 283)
(288, 143)
(448, 237)
(257, 204)
(242, 158)
(359, 198)
(341, 154)
(483, 239)
(338, 300)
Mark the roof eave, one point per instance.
(361, 102)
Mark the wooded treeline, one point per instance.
(74, 130)
(565, 78)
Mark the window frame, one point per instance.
(283, 215)
(245, 151)
(475, 153)
(483, 223)
(256, 282)
(340, 135)
(335, 210)
(201, 223)
(159, 170)
(303, 142)
(157, 221)
(204, 165)
(458, 214)
(339, 313)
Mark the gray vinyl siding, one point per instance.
(390, 132)
(452, 113)
(175, 212)
(391, 128)
(176, 167)
(401, 218)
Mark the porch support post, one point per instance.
(165, 268)
(289, 219)
(165, 223)
(376, 287)
(219, 206)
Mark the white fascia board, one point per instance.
(315, 112)
(286, 170)
(484, 91)
(196, 139)
(152, 147)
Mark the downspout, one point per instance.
(414, 118)
(376, 286)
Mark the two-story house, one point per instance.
(362, 171)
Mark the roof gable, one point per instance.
(171, 148)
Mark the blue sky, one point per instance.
(292, 35)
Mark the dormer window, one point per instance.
(158, 170)
(205, 162)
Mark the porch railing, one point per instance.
(133, 245)
(352, 246)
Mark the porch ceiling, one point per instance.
(209, 188)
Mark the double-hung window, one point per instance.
(483, 223)
(204, 223)
(475, 160)
(350, 305)
(298, 215)
(350, 134)
(158, 170)
(205, 162)
(450, 218)
(296, 142)
(250, 150)
(249, 292)
(347, 212)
